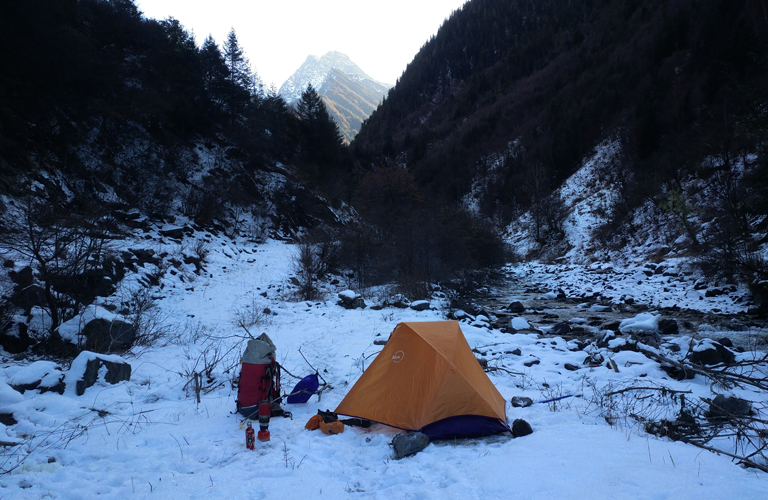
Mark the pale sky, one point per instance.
(277, 36)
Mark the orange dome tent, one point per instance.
(427, 379)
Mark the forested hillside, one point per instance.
(560, 75)
(108, 109)
(514, 95)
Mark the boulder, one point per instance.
(521, 401)
(709, 352)
(144, 256)
(16, 339)
(102, 335)
(722, 407)
(460, 314)
(521, 428)
(668, 327)
(519, 323)
(45, 376)
(399, 301)
(516, 307)
(349, 299)
(725, 342)
(560, 329)
(420, 305)
(84, 371)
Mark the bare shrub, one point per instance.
(149, 321)
(317, 256)
(200, 364)
(251, 314)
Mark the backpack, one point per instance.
(259, 378)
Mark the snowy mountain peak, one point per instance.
(316, 70)
(348, 92)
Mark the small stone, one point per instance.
(521, 428)
(516, 307)
(560, 329)
(570, 367)
(521, 401)
(668, 327)
(726, 342)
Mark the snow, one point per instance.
(39, 371)
(348, 294)
(642, 323)
(148, 437)
(520, 324)
(316, 70)
(8, 395)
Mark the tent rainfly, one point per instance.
(427, 379)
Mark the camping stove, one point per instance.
(265, 410)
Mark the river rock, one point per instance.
(709, 352)
(516, 307)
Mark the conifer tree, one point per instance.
(215, 71)
(321, 133)
(237, 63)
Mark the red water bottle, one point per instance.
(250, 440)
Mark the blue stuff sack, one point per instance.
(304, 389)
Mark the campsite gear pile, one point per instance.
(427, 379)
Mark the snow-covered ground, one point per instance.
(149, 437)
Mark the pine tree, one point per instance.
(237, 63)
(215, 71)
(323, 142)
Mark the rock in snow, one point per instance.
(84, 371)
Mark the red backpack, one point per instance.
(259, 378)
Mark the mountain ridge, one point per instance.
(349, 93)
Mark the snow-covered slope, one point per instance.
(149, 436)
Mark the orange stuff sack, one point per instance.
(314, 423)
(331, 427)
